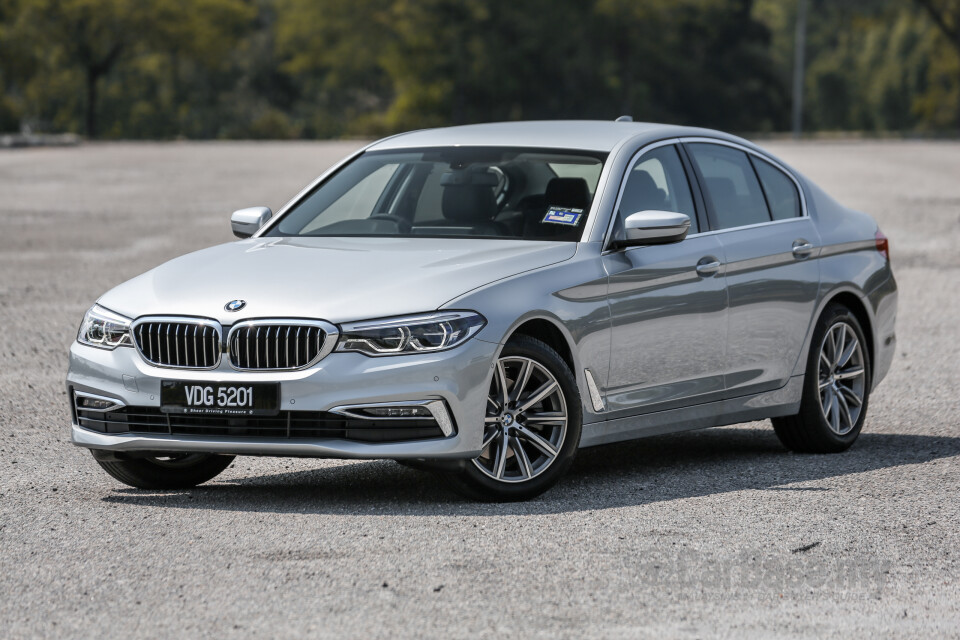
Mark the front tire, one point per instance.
(165, 470)
(531, 429)
(836, 388)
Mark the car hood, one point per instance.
(335, 279)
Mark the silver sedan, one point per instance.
(485, 300)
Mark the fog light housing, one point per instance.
(397, 412)
(95, 403)
(90, 402)
(400, 411)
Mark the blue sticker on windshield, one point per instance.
(562, 215)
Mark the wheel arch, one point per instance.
(548, 332)
(857, 307)
(553, 333)
(854, 300)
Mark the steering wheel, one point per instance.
(403, 225)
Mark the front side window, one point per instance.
(730, 184)
(486, 192)
(658, 182)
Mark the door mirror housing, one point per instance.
(246, 222)
(654, 227)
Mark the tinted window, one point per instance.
(658, 182)
(359, 201)
(489, 192)
(780, 190)
(589, 172)
(731, 185)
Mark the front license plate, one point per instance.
(220, 398)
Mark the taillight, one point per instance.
(883, 245)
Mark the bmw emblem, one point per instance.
(235, 305)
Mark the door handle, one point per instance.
(802, 248)
(708, 266)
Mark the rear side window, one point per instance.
(780, 190)
(731, 185)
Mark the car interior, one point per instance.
(522, 195)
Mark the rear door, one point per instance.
(668, 304)
(770, 246)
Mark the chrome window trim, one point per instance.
(714, 232)
(329, 342)
(804, 213)
(771, 160)
(608, 236)
(601, 195)
(214, 324)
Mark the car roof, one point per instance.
(585, 135)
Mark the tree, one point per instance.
(946, 15)
(88, 34)
(333, 52)
(95, 36)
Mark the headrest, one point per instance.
(478, 177)
(641, 194)
(568, 192)
(468, 203)
(722, 188)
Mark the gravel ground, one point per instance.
(712, 533)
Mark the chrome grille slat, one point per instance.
(253, 345)
(277, 345)
(178, 342)
(297, 345)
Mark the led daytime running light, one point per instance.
(104, 329)
(414, 334)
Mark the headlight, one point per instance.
(410, 334)
(104, 329)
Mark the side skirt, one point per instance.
(784, 401)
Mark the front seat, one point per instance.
(564, 193)
(641, 193)
(467, 204)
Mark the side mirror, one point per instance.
(654, 227)
(246, 222)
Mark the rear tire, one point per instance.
(166, 471)
(531, 428)
(836, 388)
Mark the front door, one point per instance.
(668, 303)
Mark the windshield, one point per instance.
(486, 192)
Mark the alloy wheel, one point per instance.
(841, 380)
(525, 423)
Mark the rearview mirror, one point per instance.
(246, 222)
(654, 227)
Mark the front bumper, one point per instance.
(459, 377)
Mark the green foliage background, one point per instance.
(330, 68)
